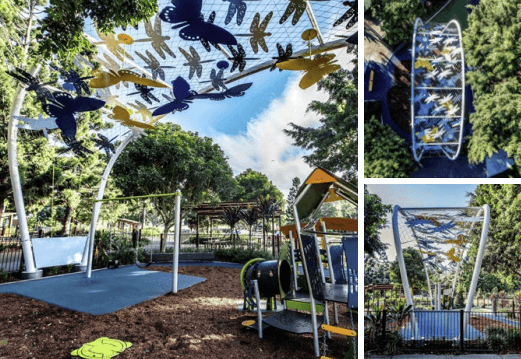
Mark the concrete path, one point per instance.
(430, 356)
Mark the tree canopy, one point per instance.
(397, 17)
(414, 267)
(491, 52)
(386, 154)
(169, 159)
(253, 184)
(504, 233)
(375, 219)
(61, 30)
(335, 142)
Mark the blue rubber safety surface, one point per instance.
(107, 291)
(202, 264)
(438, 325)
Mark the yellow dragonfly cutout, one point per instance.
(108, 78)
(316, 68)
(122, 115)
(113, 44)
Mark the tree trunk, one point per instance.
(163, 240)
(67, 222)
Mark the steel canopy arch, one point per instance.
(485, 209)
(438, 101)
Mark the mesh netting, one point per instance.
(442, 236)
(438, 97)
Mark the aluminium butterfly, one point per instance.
(65, 106)
(186, 16)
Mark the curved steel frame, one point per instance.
(437, 145)
(477, 267)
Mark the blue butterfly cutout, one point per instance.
(186, 16)
(65, 106)
(184, 96)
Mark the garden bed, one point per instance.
(198, 322)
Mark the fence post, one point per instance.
(462, 330)
(384, 326)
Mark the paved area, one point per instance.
(107, 291)
(429, 356)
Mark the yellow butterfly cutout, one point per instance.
(122, 115)
(451, 254)
(105, 79)
(315, 68)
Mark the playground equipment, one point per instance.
(442, 236)
(438, 101)
(320, 187)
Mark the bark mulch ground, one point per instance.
(198, 322)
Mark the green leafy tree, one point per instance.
(504, 237)
(496, 123)
(253, 184)
(386, 154)
(292, 195)
(397, 17)
(61, 30)
(375, 219)
(375, 271)
(335, 142)
(414, 267)
(169, 159)
(491, 52)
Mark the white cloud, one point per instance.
(264, 147)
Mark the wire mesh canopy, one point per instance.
(437, 89)
(190, 51)
(171, 47)
(441, 235)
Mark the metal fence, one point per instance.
(10, 254)
(206, 242)
(446, 330)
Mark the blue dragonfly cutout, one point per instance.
(352, 12)
(184, 96)
(42, 94)
(76, 147)
(216, 78)
(65, 106)
(425, 109)
(238, 7)
(73, 80)
(239, 58)
(103, 143)
(186, 16)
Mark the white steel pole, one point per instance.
(399, 257)
(88, 253)
(12, 132)
(175, 264)
(479, 259)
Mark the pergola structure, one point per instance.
(443, 238)
(437, 89)
(214, 212)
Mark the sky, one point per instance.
(418, 195)
(249, 128)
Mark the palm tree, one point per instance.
(250, 216)
(230, 216)
(267, 209)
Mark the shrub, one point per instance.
(240, 255)
(501, 338)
